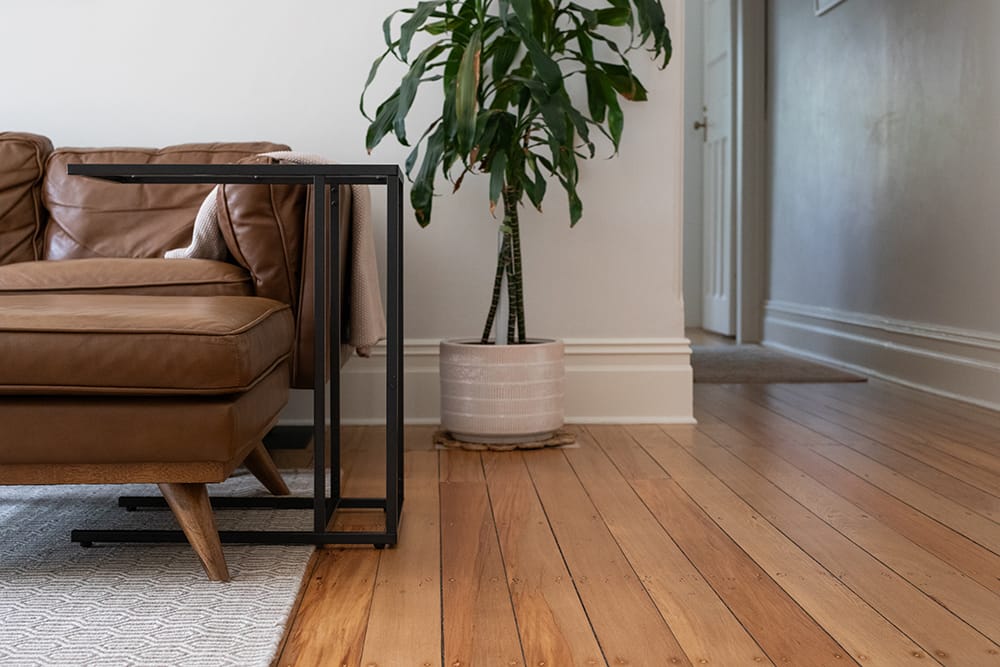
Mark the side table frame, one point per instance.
(327, 497)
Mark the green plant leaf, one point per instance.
(579, 122)
(439, 27)
(498, 168)
(408, 87)
(466, 94)
(387, 30)
(522, 9)
(543, 21)
(616, 120)
(589, 15)
(504, 51)
(555, 117)
(595, 96)
(371, 77)
(422, 193)
(423, 11)
(586, 47)
(504, 11)
(624, 82)
(652, 23)
(411, 159)
(534, 187)
(614, 16)
(548, 70)
(385, 116)
(575, 205)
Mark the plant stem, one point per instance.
(511, 197)
(512, 311)
(502, 260)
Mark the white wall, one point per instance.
(119, 72)
(884, 155)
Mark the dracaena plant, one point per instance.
(503, 68)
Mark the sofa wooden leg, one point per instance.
(193, 510)
(261, 465)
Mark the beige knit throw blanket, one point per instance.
(367, 318)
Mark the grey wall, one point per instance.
(884, 133)
(885, 158)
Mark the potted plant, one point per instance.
(502, 66)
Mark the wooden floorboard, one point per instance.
(939, 538)
(822, 525)
(404, 625)
(801, 410)
(627, 624)
(552, 621)
(862, 631)
(706, 628)
(915, 612)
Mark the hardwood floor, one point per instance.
(838, 524)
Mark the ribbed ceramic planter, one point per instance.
(495, 394)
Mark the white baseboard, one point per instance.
(619, 381)
(942, 360)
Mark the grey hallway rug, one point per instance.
(128, 604)
(738, 364)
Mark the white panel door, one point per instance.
(718, 264)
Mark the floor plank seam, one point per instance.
(562, 555)
(503, 563)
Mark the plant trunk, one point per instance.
(509, 264)
(503, 259)
(511, 197)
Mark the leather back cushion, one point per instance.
(93, 218)
(22, 159)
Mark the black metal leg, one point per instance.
(320, 506)
(334, 336)
(394, 380)
(398, 262)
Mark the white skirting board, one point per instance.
(942, 360)
(619, 381)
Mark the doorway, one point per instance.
(724, 167)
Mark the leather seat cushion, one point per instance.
(120, 344)
(160, 277)
(139, 429)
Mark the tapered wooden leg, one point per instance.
(193, 510)
(261, 465)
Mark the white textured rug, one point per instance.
(128, 604)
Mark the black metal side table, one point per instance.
(326, 498)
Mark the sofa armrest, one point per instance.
(22, 217)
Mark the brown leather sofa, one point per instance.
(119, 366)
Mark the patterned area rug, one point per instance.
(128, 604)
(737, 364)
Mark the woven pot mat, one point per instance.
(560, 438)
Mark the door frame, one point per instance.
(750, 180)
(749, 170)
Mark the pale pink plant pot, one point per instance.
(502, 394)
